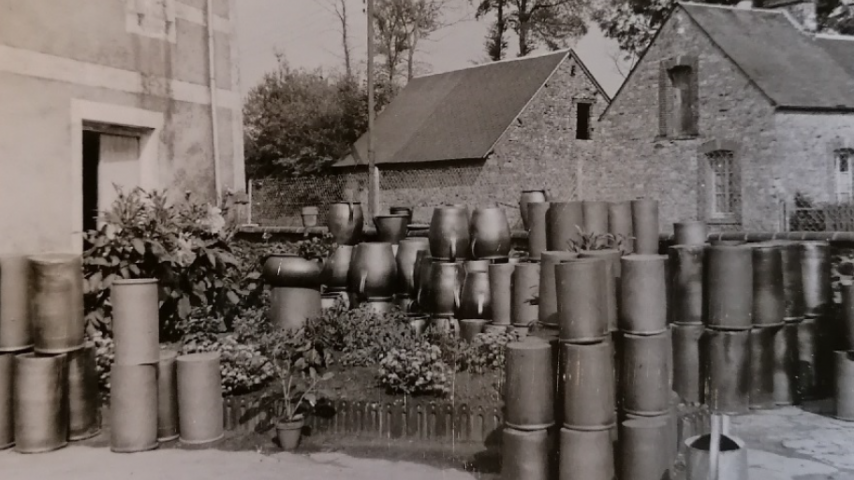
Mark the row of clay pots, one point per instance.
(455, 234)
(345, 222)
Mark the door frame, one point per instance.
(147, 123)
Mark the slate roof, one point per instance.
(456, 115)
(794, 69)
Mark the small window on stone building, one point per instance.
(844, 182)
(582, 120)
(678, 99)
(683, 102)
(724, 185)
(572, 71)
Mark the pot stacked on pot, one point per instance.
(48, 379)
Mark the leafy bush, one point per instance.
(414, 370)
(598, 241)
(105, 354)
(360, 335)
(486, 352)
(316, 248)
(184, 245)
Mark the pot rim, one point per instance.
(392, 215)
(135, 281)
(293, 424)
(310, 209)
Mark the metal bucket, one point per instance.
(729, 287)
(290, 307)
(136, 321)
(610, 288)
(537, 239)
(595, 217)
(816, 274)
(769, 298)
(529, 386)
(56, 302)
(686, 284)
(728, 371)
(645, 224)
(84, 413)
(844, 395)
(39, 398)
(587, 373)
(7, 413)
(691, 232)
(620, 224)
(525, 290)
(525, 454)
(547, 308)
(167, 396)
(581, 306)
(133, 408)
(786, 364)
(642, 456)
(643, 292)
(732, 458)
(645, 374)
(762, 363)
(16, 328)
(563, 220)
(500, 286)
(200, 398)
(587, 455)
(687, 372)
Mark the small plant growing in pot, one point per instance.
(298, 362)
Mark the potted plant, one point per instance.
(298, 363)
(309, 216)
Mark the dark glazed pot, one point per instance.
(288, 270)
(391, 228)
(373, 271)
(529, 196)
(346, 221)
(449, 233)
(490, 233)
(407, 258)
(727, 367)
(586, 454)
(530, 387)
(690, 232)
(643, 291)
(580, 304)
(423, 274)
(686, 283)
(769, 303)
(56, 301)
(563, 221)
(475, 298)
(815, 268)
(642, 455)
(588, 386)
(334, 274)
(446, 279)
(728, 272)
(525, 288)
(645, 373)
(401, 211)
(525, 454)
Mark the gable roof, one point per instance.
(792, 68)
(459, 114)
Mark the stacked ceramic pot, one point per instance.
(529, 410)
(586, 380)
(844, 360)
(647, 428)
(51, 391)
(372, 276)
(815, 332)
(295, 284)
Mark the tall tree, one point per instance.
(339, 9)
(496, 42)
(550, 23)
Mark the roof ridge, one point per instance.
(734, 7)
(563, 51)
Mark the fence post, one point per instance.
(374, 191)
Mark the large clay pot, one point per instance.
(530, 196)
(564, 220)
(809, 373)
(391, 228)
(525, 284)
(167, 396)
(762, 366)
(620, 224)
(642, 454)
(786, 364)
(645, 225)
(530, 385)
(586, 454)
(133, 408)
(645, 373)
(407, 254)
(537, 237)
(728, 272)
(289, 270)
(690, 232)
(346, 221)
(7, 413)
(290, 307)
(610, 287)
(335, 268)
(490, 233)
(401, 211)
(588, 386)
(84, 416)
(844, 395)
(580, 304)
(595, 217)
(136, 320)
(446, 279)
(815, 268)
(769, 303)
(422, 278)
(16, 328)
(643, 291)
(200, 398)
(687, 373)
(56, 302)
(472, 266)
(39, 396)
(500, 288)
(373, 271)
(475, 297)
(470, 328)
(686, 284)
(547, 308)
(525, 454)
(793, 281)
(449, 233)
(727, 363)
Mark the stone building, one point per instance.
(728, 116)
(101, 92)
(482, 134)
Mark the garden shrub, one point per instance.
(105, 354)
(185, 245)
(414, 370)
(486, 352)
(361, 336)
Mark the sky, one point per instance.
(307, 33)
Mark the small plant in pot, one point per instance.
(298, 362)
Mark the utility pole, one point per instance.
(373, 174)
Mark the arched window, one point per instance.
(724, 185)
(842, 159)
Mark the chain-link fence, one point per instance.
(281, 201)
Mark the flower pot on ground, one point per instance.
(289, 433)
(309, 216)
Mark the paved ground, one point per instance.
(784, 444)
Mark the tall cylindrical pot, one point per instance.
(445, 285)
(587, 373)
(586, 454)
(547, 307)
(732, 458)
(529, 386)
(7, 413)
(643, 291)
(56, 302)
(40, 402)
(16, 328)
(529, 196)
(844, 394)
(490, 233)
(525, 290)
(793, 281)
(620, 224)
(847, 316)
(346, 222)
(525, 454)
(645, 371)
(133, 408)
(595, 217)
(290, 307)
(641, 455)
(610, 288)
(336, 268)
(786, 364)
(407, 254)
(167, 396)
(687, 371)
(690, 232)
(729, 287)
(450, 237)
(136, 320)
(500, 286)
(84, 415)
(563, 223)
(815, 268)
(581, 306)
(808, 373)
(762, 363)
(646, 226)
(373, 271)
(686, 284)
(727, 365)
(199, 398)
(537, 237)
(769, 301)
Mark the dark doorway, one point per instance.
(582, 124)
(91, 155)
